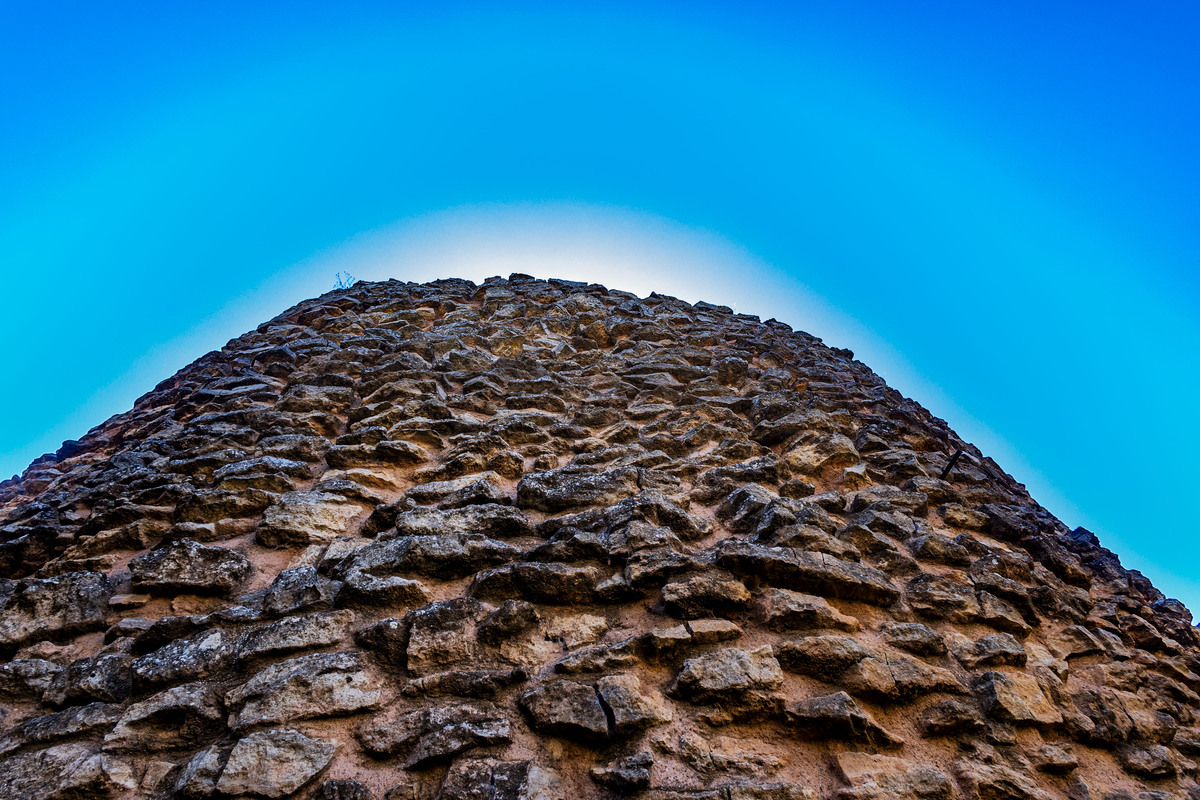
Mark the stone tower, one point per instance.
(539, 540)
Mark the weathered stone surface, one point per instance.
(629, 707)
(296, 633)
(179, 716)
(871, 776)
(572, 487)
(443, 556)
(198, 776)
(1014, 697)
(630, 774)
(993, 650)
(435, 734)
(187, 566)
(26, 678)
(671, 550)
(489, 779)
(64, 772)
(893, 677)
(742, 683)
(106, 677)
(312, 517)
(818, 573)
(704, 595)
(951, 717)
(914, 637)
(784, 610)
(342, 790)
(94, 718)
(823, 657)
(318, 685)
(300, 589)
(442, 634)
(837, 716)
(988, 781)
(370, 581)
(568, 709)
(483, 684)
(490, 520)
(274, 763)
(33, 609)
(556, 584)
(935, 597)
(197, 656)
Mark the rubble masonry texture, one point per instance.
(537, 540)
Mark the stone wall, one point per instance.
(540, 539)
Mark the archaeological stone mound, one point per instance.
(543, 540)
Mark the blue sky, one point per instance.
(994, 205)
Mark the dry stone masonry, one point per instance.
(540, 540)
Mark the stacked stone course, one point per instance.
(538, 540)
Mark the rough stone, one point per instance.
(568, 709)
(72, 603)
(107, 677)
(318, 685)
(274, 763)
(490, 520)
(300, 589)
(818, 573)
(191, 567)
(742, 683)
(442, 635)
(556, 584)
(436, 734)
(302, 518)
(296, 633)
(92, 719)
(704, 595)
(64, 772)
(179, 716)
(571, 487)
(198, 656)
(490, 779)
(914, 637)
(630, 774)
(871, 776)
(1014, 697)
(837, 716)
(784, 610)
(629, 708)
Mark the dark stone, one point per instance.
(568, 709)
(188, 566)
(572, 487)
(342, 790)
(489, 779)
(629, 774)
(838, 716)
(556, 584)
(704, 596)
(511, 619)
(197, 656)
(491, 520)
(951, 718)
(107, 678)
(37, 609)
(913, 637)
(435, 734)
(300, 589)
(800, 570)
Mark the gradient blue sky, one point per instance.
(994, 205)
